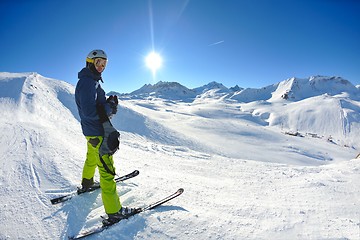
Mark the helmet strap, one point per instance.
(90, 60)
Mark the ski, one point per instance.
(95, 187)
(100, 228)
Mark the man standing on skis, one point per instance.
(94, 109)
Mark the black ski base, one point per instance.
(72, 194)
(101, 228)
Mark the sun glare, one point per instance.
(153, 61)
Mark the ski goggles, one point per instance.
(100, 62)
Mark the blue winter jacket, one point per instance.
(88, 93)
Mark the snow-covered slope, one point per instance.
(327, 107)
(252, 94)
(243, 177)
(39, 137)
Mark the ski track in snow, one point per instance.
(237, 185)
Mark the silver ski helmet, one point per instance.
(95, 54)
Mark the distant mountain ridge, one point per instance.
(292, 89)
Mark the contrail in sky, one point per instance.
(216, 43)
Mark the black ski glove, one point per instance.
(102, 113)
(113, 102)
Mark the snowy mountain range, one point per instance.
(276, 162)
(291, 104)
(292, 89)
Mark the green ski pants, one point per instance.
(109, 194)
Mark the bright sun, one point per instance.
(153, 61)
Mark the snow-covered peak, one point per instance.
(332, 85)
(295, 89)
(219, 87)
(236, 88)
(167, 90)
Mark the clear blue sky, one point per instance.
(252, 43)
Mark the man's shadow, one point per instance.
(77, 211)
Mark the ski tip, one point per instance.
(57, 200)
(181, 190)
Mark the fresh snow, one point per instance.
(254, 164)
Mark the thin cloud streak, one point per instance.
(216, 43)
